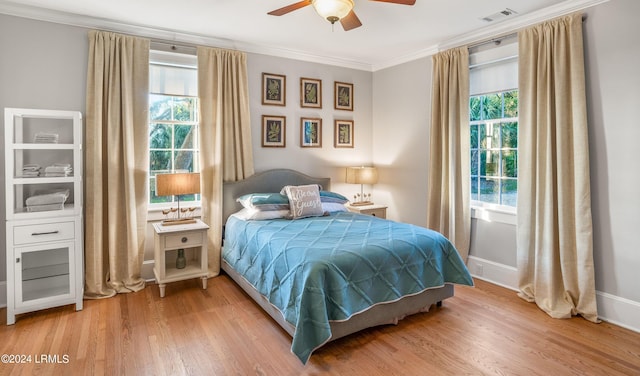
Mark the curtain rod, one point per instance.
(499, 39)
(495, 41)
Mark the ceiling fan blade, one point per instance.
(350, 21)
(290, 8)
(403, 2)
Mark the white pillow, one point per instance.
(333, 207)
(247, 214)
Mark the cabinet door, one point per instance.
(44, 274)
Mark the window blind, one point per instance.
(493, 69)
(173, 74)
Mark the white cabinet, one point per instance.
(43, 177)
(44, 265)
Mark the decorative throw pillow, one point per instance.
(304, 200)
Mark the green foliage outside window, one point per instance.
(173, 132)
(494, 147)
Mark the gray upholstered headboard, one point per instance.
(264, 182)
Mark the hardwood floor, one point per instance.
(220, 331)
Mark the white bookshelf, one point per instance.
(44, 242)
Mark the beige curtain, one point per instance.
(225, 134)
(448, 190)
(555, 255)
(117, 159)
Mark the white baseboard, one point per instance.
(147, 270)
(490, 271)
(619, 311)
(3, 294)
(613, 309)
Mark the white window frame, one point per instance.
(493, 57)
(182, 61)
(488, 205)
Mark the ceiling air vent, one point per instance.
(500, 15)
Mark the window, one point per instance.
(493, 121)
(173, 119)
(494, 148)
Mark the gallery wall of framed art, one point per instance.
(274, 130)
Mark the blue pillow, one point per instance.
(278, 201)
(327, 196)
(264, 201)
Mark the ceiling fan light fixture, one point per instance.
(333, 10)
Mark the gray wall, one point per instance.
(326, 161)
(402, 109)
(42, 65)
(612, 52)
(612, 57)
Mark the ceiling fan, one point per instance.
(334, 10)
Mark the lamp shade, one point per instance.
(362, 175)
(177, 184)
(333, 10)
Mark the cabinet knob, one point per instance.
(184, 239)
(18, 260)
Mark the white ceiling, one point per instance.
(390, 34)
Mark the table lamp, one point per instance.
(362, 175)
(176, 185)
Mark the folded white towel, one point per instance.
(38, 208)
(46, 138)
(58, 169)
(30, 174)
(31, 167)
(59, 197)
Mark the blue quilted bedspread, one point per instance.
(315, 270)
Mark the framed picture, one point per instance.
(310, 133)
(343, 134)
(310, 92)
(274, 89)
(274, 133)
(343, 96)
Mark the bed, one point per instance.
(322, 278)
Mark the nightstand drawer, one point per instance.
(46, 232)
(381, 212)
(183, 240)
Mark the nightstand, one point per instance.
(192, 240)
(379, 211)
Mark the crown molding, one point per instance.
(168, 35)
(519, 22)
(406, 58)
(173, 36)
(497, 30)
